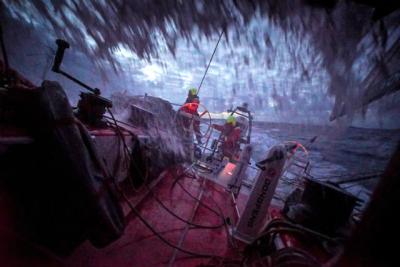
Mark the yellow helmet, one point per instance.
(231, 120)
(193, 91)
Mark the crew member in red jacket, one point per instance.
(189, 115)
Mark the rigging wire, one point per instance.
(158, 200)
(180, 218)
(184, 174)
(154, 195)
(147, 224)
(218, 213)
(137, 213)
(212, 56)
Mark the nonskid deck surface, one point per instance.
(139, 246)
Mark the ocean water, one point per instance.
(337, 154)
(335, 151)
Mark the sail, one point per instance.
(381, 81)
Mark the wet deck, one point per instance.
(139, 246)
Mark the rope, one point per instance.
(212, 56)
(143, 220)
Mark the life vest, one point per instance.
(190, 108)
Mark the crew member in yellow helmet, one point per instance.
(230, 137)
(231, 120)
(192, 94)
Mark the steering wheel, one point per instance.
(203, 113)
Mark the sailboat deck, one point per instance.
(139, 246)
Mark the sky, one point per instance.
(283, 76)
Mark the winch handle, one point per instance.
(61, 46)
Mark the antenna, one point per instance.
(3, 49)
